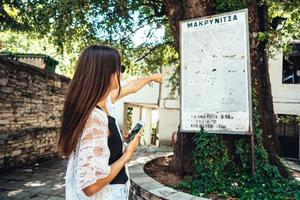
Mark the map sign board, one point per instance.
(215, 74)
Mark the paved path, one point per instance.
(293, 164)
(45, 181)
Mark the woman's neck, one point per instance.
(102, 105)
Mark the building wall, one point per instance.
(169, 111)
(286, 97)
(147, 95)
(168, 124)
(38, 62)
(286, 100)
(168, 107)
(31, 103)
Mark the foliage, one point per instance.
(216, 160)
(288, 29)
(231, 177)
(68, 24)
(283, 14)
(129, 117)
(13, 16)
(230, 5)
(29, 43)
(289, 119)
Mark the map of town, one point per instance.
(214, 71)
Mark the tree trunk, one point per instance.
(182, 10)
(185, 9)
(176, 11)
(261, 82)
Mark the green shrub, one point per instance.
(217, 172)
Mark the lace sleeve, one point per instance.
(93, 153)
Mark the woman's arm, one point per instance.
(115, 168)
(100, 183)
(134, 86)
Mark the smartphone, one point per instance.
(136, 129)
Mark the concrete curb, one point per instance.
(145, 187)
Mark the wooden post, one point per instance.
(252, 154)
(125, 118)
(147, 128)
(299, 140)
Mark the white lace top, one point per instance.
(90, 160)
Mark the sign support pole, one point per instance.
(252, 154)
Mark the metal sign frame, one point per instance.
(250, 129)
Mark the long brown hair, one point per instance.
(89, 85)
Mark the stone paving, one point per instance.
(45, 181)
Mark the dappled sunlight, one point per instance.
(27, 170)
(139, 160)
(35, 184)
(144, 154)
(14, 192)
(58, 186)
(40, 181)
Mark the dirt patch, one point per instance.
(159, 170)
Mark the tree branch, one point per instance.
(152, 49)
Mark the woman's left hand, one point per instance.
(126, 134)
(158, 77)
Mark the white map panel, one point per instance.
(215, 85)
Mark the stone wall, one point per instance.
(31, 103)
(138, 193)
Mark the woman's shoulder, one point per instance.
(98, 113)
(96, 125)
(95, 118)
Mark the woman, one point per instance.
(89, 135)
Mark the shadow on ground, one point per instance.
(45, 181)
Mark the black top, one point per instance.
(115, 147)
